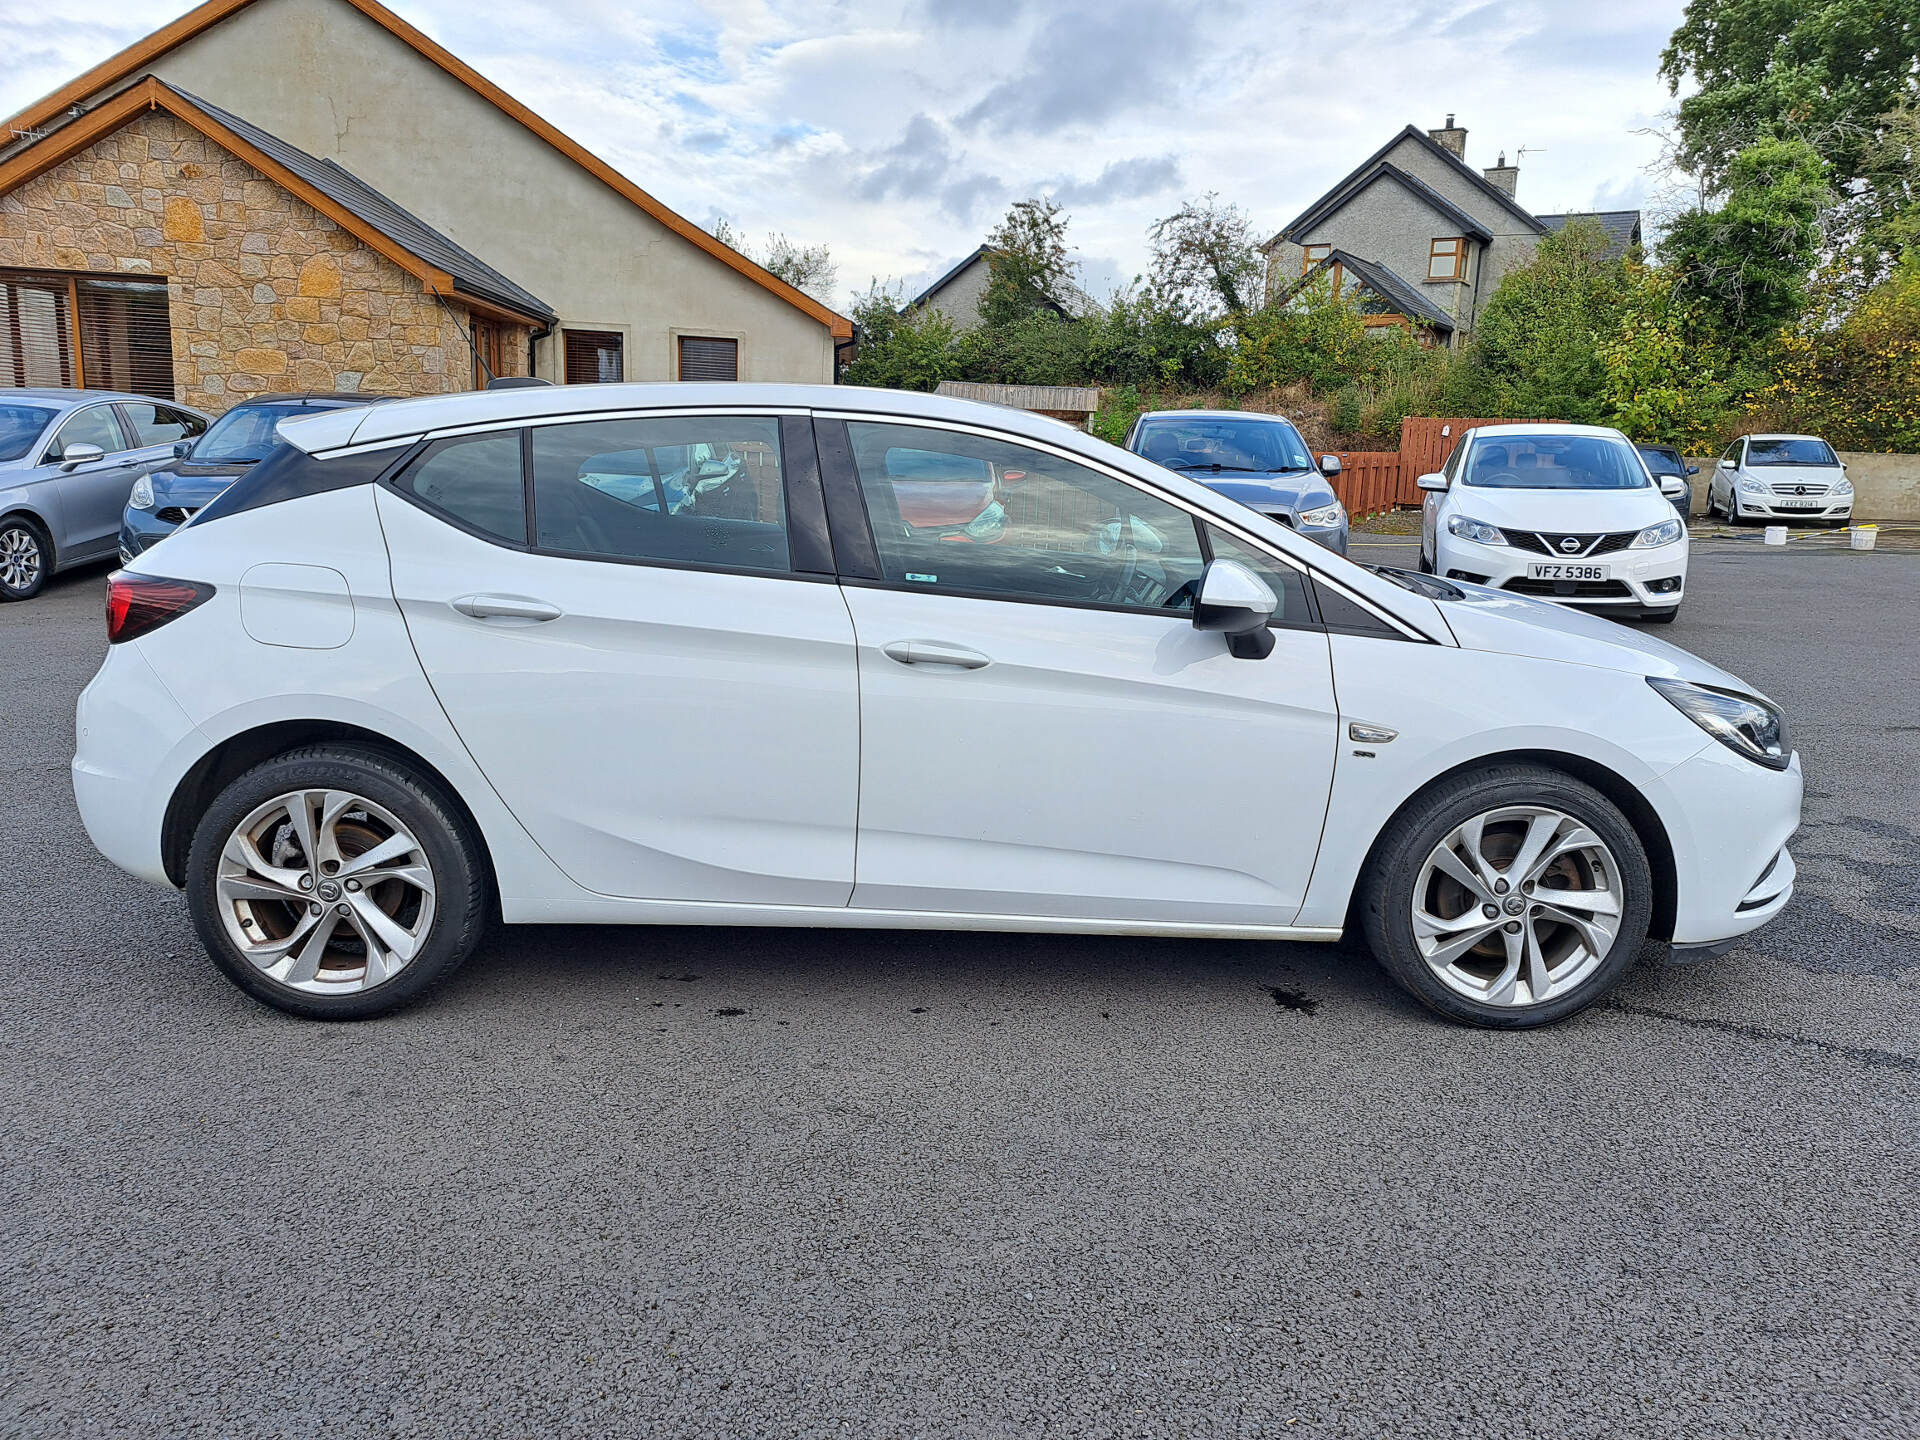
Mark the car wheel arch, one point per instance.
(240, 752)
(1611, 783)
(39, 522)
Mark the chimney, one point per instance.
(1503, 176)
(1451, 136)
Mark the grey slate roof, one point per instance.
(1622, 227)
(1354, 184)
(471, 275)
(1405, 298)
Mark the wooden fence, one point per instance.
(1375, 480)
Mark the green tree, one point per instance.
(1537, 347)
(1822, 70)
(1317, 337)
(1204, 260)
(914, 350)
(1028, 264)
(1751, 257)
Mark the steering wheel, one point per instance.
(1501, 477)
(1118, 534)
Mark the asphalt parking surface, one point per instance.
(779, 1183)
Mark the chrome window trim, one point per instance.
(1207, 517)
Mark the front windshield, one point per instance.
(20, 426)
(1790, 452)
(244, 434)
(1216, 444)
(1555, 462)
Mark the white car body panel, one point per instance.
(1117, 773)
(1779, 492)
(673, 735)
(1063, 778)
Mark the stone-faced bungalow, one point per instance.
(310, 194)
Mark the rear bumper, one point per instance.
(132, 744)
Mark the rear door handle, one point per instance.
(506, 607)
(934, 652)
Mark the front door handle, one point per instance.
(934, 652)
(506, 607)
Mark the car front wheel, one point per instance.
(1509, 897)
(335, 884)
(26, 558)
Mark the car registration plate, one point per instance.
(1780, 504)
(1566, 572)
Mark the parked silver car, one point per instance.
(68, 460)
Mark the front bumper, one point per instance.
(141, 530)
(1653, 579)
(1728, 821)
(1780, 507)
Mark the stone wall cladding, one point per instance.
(264, 292)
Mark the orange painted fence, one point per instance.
(1375, 480)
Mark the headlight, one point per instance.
(1476, 530)
(1845, 487)
(142, 497)
(1665, 533)
(1324, 515)
(1745, 723)
(1753, 484)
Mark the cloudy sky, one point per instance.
(897, 131)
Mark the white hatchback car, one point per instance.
(1564, 512)
(445, 661)
(1780, 477)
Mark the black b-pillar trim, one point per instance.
(807, 533)
(853, 546)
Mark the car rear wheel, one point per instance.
(1509, 898)
(26, 558)
(334, 884)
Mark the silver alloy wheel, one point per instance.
(20, 557)
(1517, 906)
(325, 891)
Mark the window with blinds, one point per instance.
(594, 357)
(706, 358)
(84, 331)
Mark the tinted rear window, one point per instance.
(20, 426)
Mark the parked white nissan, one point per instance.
(694, 654)
(1565, 512)
(1780, 477)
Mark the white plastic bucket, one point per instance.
(1776, 534)
(1864, 536)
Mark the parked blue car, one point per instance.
(166, 499)
(67, 460)
(1259, 460)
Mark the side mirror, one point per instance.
(1672, 485)
(1235, 602)
(1726, 464)
(1434, 481)
(181, 447)
(1693, 469)
(80, 453)
(1329, 465)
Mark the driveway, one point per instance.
(790, 1183)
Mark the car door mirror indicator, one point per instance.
(1235, 602)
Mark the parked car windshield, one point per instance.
(1662, 461)
(20, 426)
(1197, 444)
(245, 433)
(1555, 462)
(1790, 452)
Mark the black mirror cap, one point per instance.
(181, 447)
(1693, 469)
(1330, 465)
(1251, 644)
(516, 382)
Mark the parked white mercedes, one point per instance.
(692, 654)
(1780, 477)
(1565, 512)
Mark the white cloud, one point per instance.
(894, 131)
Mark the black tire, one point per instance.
(1660, 617)
(1386, 893)
(462, 905)
(23, 534)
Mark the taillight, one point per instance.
(139, 603)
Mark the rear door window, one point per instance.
(475, 481)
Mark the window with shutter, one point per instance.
(707, 358)
(123, 330)
(595, 357)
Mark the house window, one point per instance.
(1312, 255)
(595, 357)
(1447, 260)
(704, 357)
(71, 330)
